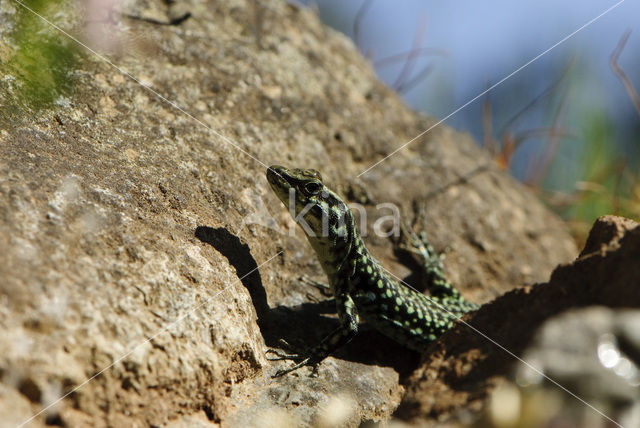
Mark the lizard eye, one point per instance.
(312, 188)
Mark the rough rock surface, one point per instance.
(459, 369)
(130, 233)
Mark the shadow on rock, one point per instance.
(239, 256)
(304, 325)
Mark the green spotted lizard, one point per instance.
(362, 289)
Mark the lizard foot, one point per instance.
(300, 360)
(419, 245)
(324, 288)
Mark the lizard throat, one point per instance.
(334, 250)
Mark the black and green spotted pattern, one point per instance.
(363, 290)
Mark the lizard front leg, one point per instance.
(349, 321)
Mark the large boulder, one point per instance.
(142, 276)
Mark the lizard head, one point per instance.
(321, 213)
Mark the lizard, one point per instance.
(361, 287)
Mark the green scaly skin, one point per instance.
(362, 289)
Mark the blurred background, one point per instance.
(567, 125)
(563, 117)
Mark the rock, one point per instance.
(594, 353)
(145, 265)
(460, 370)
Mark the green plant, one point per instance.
(43, 58)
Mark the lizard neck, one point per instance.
(348, 263)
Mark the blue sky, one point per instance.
(485, 41)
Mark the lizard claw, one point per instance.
(279, 356)
(324, 288)
(300, 360)
(284, 343)
(302, 363)
(288, 355)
